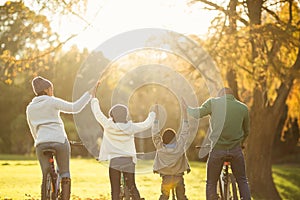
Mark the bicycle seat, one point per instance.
(49, 151)
(227, 158)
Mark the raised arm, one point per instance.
(100, 117)
(184, 109)
(95, 106)
(72, 107)
(155, 129)
(184, 133)
(142, 126)
(198, 112)
(77, 106)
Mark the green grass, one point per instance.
(20, 178)
(287, 181)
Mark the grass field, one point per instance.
(20, 178)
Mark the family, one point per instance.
(118, 147)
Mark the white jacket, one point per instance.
(118, 138)
(43, 117)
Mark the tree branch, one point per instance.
(13, 59)
(222, 9)
(285, 87)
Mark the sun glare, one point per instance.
(110, 18)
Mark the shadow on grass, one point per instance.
(17, 157)
(287, 180)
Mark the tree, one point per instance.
(27, 41)
(25, 37)
(257, 46)
(27, 47)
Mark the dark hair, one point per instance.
(224, 91)
(118, 113)
(39, 84)
(41, 93)
(168, 136)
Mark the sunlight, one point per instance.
(110, 18)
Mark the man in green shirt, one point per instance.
(229, 127)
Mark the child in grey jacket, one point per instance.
(170, 160)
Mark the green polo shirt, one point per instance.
(229, 120)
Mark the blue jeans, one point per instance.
(214, 167)
(62, 157)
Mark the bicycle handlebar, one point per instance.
(76, 143)
(205, 146)
(208, 146)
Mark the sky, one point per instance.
(113, 17)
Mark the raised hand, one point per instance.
(156, 111)
(184, 108)
(93, 90)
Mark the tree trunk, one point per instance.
(232, 82)
(259, 149)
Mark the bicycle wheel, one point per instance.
(48, 191)
(223, 188)
(126, 193)
(226, 189)
(234, 195)
(220, 189)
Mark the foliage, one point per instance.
(286, 144)
(256, 45)
(275, 51)
(26, 40)
(12, 119)
(293, 101)
(15, 135)
(75, 7)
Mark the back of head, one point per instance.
(119, 113)
(39, 84)
(224, 91)
(168, 136)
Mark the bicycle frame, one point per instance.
(54, 178)
(124, 191)
(227, 183)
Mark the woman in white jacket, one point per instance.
(47, 128)
(118, 145)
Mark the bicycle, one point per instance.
(125, 193)
(51, 181)
(227, 182)
(124, 190)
